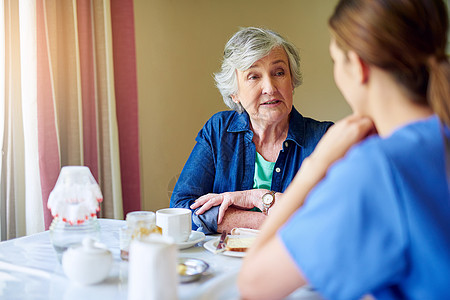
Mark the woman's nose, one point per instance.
(269, 86)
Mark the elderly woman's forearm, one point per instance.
(240, 218)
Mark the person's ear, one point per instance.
(235, 98)
(360, 68)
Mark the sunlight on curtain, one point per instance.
(58, 105)
(14, 207)
(33, 196)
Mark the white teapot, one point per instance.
(88, 263)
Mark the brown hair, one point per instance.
(406, 38)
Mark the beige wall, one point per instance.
(179, 46)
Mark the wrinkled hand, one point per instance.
(341, 137)
(240, 199)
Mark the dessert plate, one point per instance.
(211, 246)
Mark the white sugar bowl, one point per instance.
(88, 263)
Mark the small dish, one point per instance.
(191, 269)
(194, 238)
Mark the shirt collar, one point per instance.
(296, 132)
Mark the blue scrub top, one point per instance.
(379, 222)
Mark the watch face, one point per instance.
(267, 199)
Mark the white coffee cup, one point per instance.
(175, 223)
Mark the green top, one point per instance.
(263, 174)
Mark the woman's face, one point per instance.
(265, 89)
(347, 77)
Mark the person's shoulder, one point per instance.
(414, 140)
(221, 119)
(220, 122)
(307, 131)
(422, 137)
(314, 124)
(310, 124)
(392, 165)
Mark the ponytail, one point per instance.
(439, 97)
(439, 87)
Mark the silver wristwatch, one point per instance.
(267, 201)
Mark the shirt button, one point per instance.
(286, 144)
(278, 170)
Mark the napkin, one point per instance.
(244, 231)
(152, 273)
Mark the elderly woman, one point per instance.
(245, 158)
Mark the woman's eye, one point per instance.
(252, 77)
(279, 73)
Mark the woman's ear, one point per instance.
(360, 68)
(235, 98)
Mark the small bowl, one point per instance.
(191, 269)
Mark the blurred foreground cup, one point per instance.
(152, 273)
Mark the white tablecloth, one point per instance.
(29, 269)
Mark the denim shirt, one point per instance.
(223, 160)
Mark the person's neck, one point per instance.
(269, 137)
(392, 108)
(265, 132)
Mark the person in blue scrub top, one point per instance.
(369, 213)
(254, 150)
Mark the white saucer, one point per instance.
(194, 238)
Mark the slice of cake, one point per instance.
(239, 244)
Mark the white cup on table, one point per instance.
(175, 223)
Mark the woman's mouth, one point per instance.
(271, 102)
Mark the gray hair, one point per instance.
(243, 49)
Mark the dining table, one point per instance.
(30, 269)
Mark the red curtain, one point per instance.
(122, 17)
